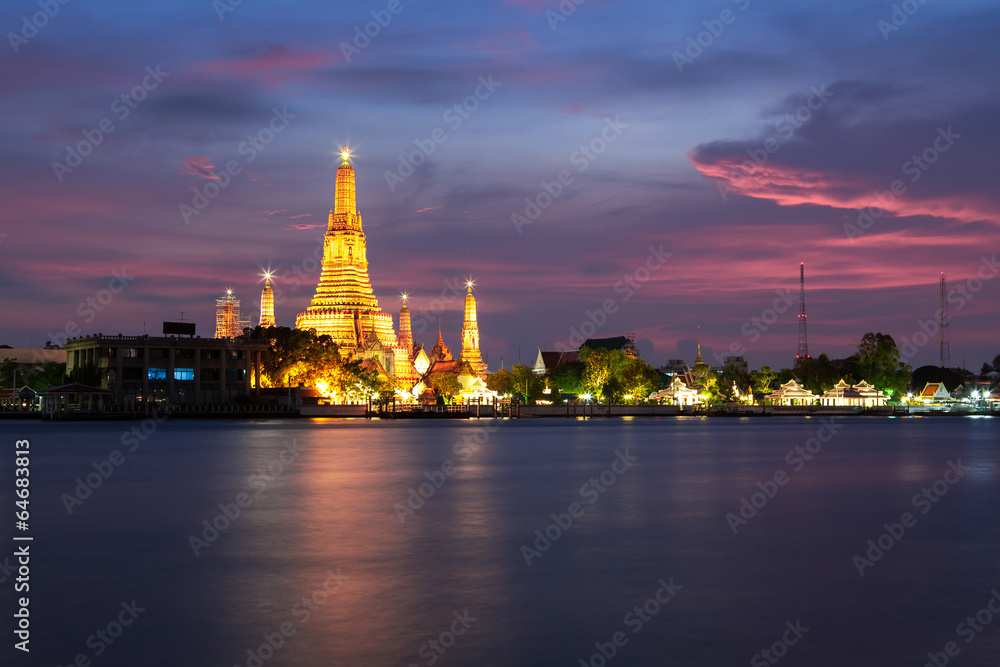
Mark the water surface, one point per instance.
(328, 506)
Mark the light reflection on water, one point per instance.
(334, 507)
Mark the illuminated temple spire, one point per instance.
(405, 331)
(470, 334)
(440, 351)
(697, 359)
(345, 307)
(267, 303)
(346, 199)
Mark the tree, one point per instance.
(996, 363)
(612, 389)
(527, 383)
(639, 380)
(296, 355)
(445, 385)
(501, 381)
(731, 380)
(47, 374)
(568, 377)
(600, 366)
(879, 363)
(761, 380)
(820, 373)
(7, 369)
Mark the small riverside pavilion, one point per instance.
(678, 393)
(792, 393)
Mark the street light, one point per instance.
(13, 391)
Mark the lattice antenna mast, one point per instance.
(943, 321)
(803, 352)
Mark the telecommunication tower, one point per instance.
(943, 324)
(803, 352)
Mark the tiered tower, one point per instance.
(345, 307)
(470, 335)
(229, 320)
(405, 330)
(267, 303)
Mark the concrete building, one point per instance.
(172, 369)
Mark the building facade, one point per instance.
(172, 369)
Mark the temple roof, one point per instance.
(440, 351)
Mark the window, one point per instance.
(236, 354)
(184, 354)
(211, 354)
(132, 352)
(235, 374)
(131, 373)
(184, 374)
(157, 373)
(111, 352)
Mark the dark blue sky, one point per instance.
(742, 137)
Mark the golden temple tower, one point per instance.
(405, 330)
(345, 307)
(267, 303)
(470, 334)
(440, 351)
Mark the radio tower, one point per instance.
(943, 324)
(803, 352)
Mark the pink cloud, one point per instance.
(200, 166)
(276, 65)
(430, 208)
(790, 186)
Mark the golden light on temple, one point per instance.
(470, 333)
(404, 296)
(267, 302)
(344, 306)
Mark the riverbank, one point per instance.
(589, 411)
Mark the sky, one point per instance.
(598, 168)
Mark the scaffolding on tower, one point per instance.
(229, 320)
(803, 352)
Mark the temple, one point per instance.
(470, 335)
(346, 309)
(267, 303)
